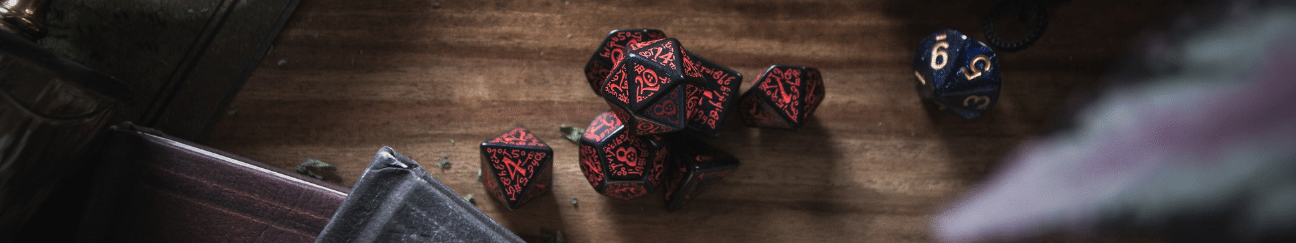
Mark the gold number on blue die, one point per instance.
(972, 65)
(938, 50)
(976, 99)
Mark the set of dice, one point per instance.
(662, 97)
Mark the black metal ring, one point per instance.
(1040, 13)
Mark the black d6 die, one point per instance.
(646, 89)
(957, 72)
(782, 97)
(516, 167)
(695, 166)
(709, 101)
(617, 163)
(612, 50)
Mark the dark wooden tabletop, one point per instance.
(432, 78)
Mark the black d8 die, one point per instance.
(516, 167)
(957, 72)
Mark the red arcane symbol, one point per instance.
(627, 155)
(784, 94)
(516, 167)
(648, 83)
(590, 165)
(626, 192)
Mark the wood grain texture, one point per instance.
(872, 165)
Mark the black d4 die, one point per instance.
(958, 73)
(696, 165)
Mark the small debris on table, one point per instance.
(571, 133)
(469, 199)
(573, 202)
(317, 169)
(233, 111)
(479, 175)
(445, 164)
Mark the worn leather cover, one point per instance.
(395, 200)
(52, 112)
(183, 60)
(153, 188)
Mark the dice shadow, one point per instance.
(744, 195)
(542, 211)
(782, 172)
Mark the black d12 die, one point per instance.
(696, 165)
(617, 163)
(957, 72)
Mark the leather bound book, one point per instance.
(154, 188)
(395, 200)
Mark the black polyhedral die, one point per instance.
(696, 165)
(647, 89)
(709, 102)
(612, 50)
(783, 97)
(516, 167)
(617, 163)
(957, 72)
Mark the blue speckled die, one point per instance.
(957, 72)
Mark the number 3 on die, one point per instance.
(973, 100)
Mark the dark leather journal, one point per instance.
(154, 188)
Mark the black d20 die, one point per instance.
(783, 97)
(517, 167)
(617, 163)
(612, 50)
(709, 101)
(646, 89)
(957, 72)
(696, 165)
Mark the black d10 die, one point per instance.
(517, 167)
(713, 98)
(957, 72)
(612, 50)
(696, 165)
(783, 97)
